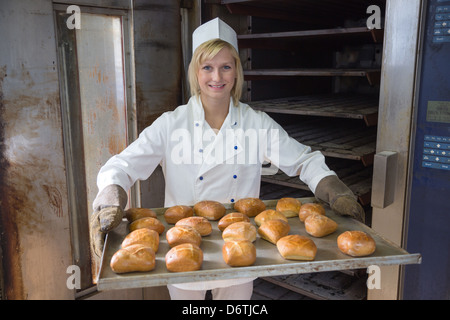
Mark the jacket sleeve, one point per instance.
(292, 157)
(138, 160)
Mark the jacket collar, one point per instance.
(231, 121)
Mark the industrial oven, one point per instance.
(363, 81)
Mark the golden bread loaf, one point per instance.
(273, 230)
(297, 247)
(183, 234)
(269, 214)
(184, 257)
(356, 243)
(231, 218)
(138, 213)
(144, 236)
(211, 210)
(239, 231)
(318, 225)
(250, 206)
(175, 213)
(240, 253)
(290, 207)
(310, 208)
(201, 224)
(149, 223)
(136, 257)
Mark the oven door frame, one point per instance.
(396, 112)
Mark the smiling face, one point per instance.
(216, 77)
(220, 62)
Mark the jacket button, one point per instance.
(201, 178)
(232, 200)
(234, 176)
(235, 147)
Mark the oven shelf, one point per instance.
(357, 177)
(323, 37)
(352, 106)
(341, 138)
(332, 285)
(272, 190)
(372, 75)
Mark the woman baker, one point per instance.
(212, 148)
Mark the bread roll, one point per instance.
(201, 224)
(273, 230)
(183, 234)
(310, 208)
(133, 214)
(149, 223)
(250, 206)
(136, 257)
(318, 225)
(184, 257)
(231, 218)
(239, 231)
(290, 207)
(269, 214)
(297, 247)
(211, 210)
(144, 236)
(175, 213)
(240, 253)
(356, 243)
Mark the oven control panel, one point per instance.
(436, 152)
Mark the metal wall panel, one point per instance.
(35, 234)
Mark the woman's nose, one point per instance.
(217, 75)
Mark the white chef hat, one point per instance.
(214, 29)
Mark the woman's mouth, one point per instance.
(217, 86)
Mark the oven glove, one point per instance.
(108, 214)
(339, 197)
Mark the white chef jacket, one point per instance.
(204, 164)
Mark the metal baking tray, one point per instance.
(268, 261)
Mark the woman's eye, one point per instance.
(207, 68)
(227, 67)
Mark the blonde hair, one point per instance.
(207, 51)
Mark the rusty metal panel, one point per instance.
(102, 93)
(35, 235)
